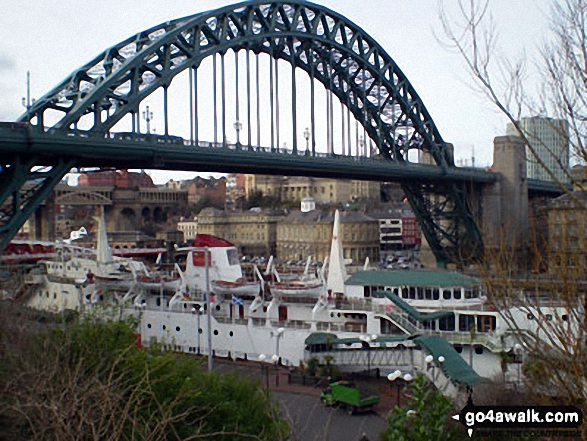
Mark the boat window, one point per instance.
(366, 291)
(405, 292)
(447, 323)
(395, 291)
(446, 294)
(478, 350)
(435, 294)
(466, 322)
(232, 255)
(429, 324)
(457, 294)
(428, 293)
(412, 292)
(485, 323)
(420, 292)
(468, 294)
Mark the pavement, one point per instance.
(277, 378)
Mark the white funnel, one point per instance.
(104, 254)
(336, 269)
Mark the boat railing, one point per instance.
(404, 322)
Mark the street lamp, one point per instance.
(396, 377)
(277, 334)
(519, 353)
(307, 138)
(429, 359)
(265, 371)
(197, 312)
(367, 340)
(362, 146)
(148, 117)
(238, 126)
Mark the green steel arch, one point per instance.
(332, 49)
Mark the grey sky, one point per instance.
(53, 38)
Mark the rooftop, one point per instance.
(411, 278)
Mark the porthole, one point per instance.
(215, 331)
(231, 333)
(177, 328)
(217, 307)
(459, 349)
(149, 325)
(164, 327)
(549, 317)
(200, 331)
(530, 316)
(565, 317)
(478, 350)
(54, 295)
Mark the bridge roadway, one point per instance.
(88, 149)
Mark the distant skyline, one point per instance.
(53, 38)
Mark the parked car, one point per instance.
(349, 397)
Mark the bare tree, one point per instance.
(549, 294)
(561, 73)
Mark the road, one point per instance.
(311, 421)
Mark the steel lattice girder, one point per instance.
(337, 52)
(23, 187)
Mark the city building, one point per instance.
(549, 138)
(212, 189)
(189, 228)
(323, 190)
(302, 234)
(254, 232)
(398, 229)
(117, 178)
(567, 228)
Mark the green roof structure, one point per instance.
(454, 366)
(411, 278)
(413, 312)
(327, 338)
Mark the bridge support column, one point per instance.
(505, 203)
(42, 221)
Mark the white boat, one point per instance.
(297, 288)
(240, 287)
(372, 320)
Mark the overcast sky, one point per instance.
(52, 38)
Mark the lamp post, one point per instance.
(396, 377)
(277, 334)
(275, 360)
(361, 146)
(367, 345)
(148, 117)
(519, 354)
(307, 138)
(238, 126)
(429, 359)
(265, 371)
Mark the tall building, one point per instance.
(323, 190)
(550, 140)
